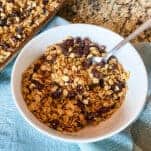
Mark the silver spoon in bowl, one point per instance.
(134, 34)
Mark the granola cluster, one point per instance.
(65, 90)
(19, 20)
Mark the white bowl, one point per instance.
(128, 56)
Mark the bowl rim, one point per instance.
(72, 140)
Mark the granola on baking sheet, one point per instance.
(19, 20)
(121, 16)
(67, 92)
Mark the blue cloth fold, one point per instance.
(17, 135)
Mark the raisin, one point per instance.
(19, 30)
(81, 106)
(38, 85)
(78, 40)
(87, 63)
(69, 43)
(3, 22)
(86, 41)
(79, 88)
(71, 94)
(96, 73)
(36, 67)
(102, 63)
(112, 57)
(90, 116)
(92, 86)
(101, 83)
(86, 50)
(57, 94)
(102, 48)
(45, 2)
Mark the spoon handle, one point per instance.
(140, 29)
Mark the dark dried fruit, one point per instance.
(86, 50)
(101, 83)
(54, 123)
(19, 30)
(96, 73)
(64, 49)
(71, 95)
(81, 106)
(36, 67)
(57, 94)
(38, 85)
(3, 22)
(87, 63)
(117, 87)
(53, 59)
(102, 48)
(5, 46)
(103, 110)
(90, 116)
(92, 86)
(45, 2)
(69, 43)
(102, 63)
(80, 88)
(78, 40)
(112, 57)
(10, 1)
(86, 41)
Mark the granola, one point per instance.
(19, 20)
(66, 91)
(121, 16)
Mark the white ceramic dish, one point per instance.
(128, 56)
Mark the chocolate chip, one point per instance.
(96, 73)
(87, 63)
(38, 85)
(54, 123)
(45, 2)
(71, 94)
(57, 94)
(79, 89)
(3, 22)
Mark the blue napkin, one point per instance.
(17, 135)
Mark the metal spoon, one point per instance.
(140, 29)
